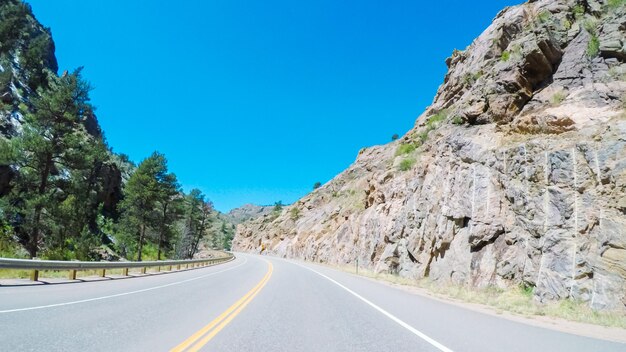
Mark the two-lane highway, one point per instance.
(257, 303)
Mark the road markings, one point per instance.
(196, 341)
(384, 312)
(121, 294)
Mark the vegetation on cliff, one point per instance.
(62, 189)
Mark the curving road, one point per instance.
(257, 304)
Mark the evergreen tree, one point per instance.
(141, 196)
(169, 210)
(46, 154)
(197, 220)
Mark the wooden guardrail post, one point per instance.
(143, 270)
(125, 272)
(72, 275)
(34, 275)
(103, 273)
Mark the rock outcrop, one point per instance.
(248, 212)
(26, 58)
(516, 174)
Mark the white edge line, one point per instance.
(384, 312)
(121, 294)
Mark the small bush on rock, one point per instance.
(405, 149)
(558, 98)
(406, 164)
(615, 4)
(593, 48)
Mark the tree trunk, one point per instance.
(43, 185)
(162, 234)
(34, 236)
(142, 232)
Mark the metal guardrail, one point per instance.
(73, 266)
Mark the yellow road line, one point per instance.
(223, 319)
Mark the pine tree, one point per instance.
(46, 154)
(170, 210)
(141, 196)
(197, 221)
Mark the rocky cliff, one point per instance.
(516, 174)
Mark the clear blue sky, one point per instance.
(254, 101)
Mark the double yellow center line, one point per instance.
(196, 341)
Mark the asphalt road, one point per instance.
(258, 304)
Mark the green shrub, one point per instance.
(434, 120)
(317, 185)
(615, 4)
(544, 16)
(593, 47)
(405, 149)
(6, 77)
(295, 213)
(505, 56)
(457, 120)
(579, 11)
(615, 73)
(527, 290)
(558, 97)
(423, 136)
(471, 77)
(567, 24)
(406, 164)
(591, 26)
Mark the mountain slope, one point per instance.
(516, 174)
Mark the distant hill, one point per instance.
(248, 212)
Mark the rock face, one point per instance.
(248, 212)
(26, 58)
(516, 174)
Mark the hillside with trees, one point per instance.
(63, 193)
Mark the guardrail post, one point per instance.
(178, 267)
(103, 273)
(158, 268)
(72, 275)
(170, 268)
(125, 272)
(34, 275)
(143, 270)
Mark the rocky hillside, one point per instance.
(516, 174)
(248, 212)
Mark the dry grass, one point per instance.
(516, 300)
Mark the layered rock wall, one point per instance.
(516, 174)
